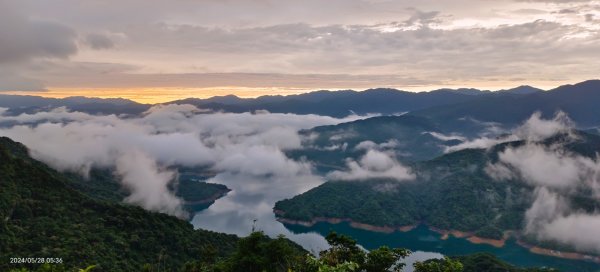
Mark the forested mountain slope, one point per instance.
(43, 217)
(452, 192)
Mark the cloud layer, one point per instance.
(374, 164)
(558, 175)
(343, 44)
(143, 150)
(533, 129)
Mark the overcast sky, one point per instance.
(251, 47)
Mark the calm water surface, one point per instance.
(423, 239)
(253, 199)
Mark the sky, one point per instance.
(159, 50)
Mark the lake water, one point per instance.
(423, 239)
(249, 206)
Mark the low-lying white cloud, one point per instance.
(551, 218)
(542, 166)
(580, 230)
(141, 148)
(534, 129)
(546, 206)
(479, 143)
(557, 174)
(374, 164)
(443, 137)
(368, 145)
(147, 183)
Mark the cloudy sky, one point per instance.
(157, 50)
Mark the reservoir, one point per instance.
(423, 239)
(250, 206)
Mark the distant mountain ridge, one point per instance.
(410, 138)
(345, 102)
(524, 89)
(443, 106)
(580, 101)
(18, 104)
(334, 103)
(452, 184)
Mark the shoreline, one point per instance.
(445, 234)
(471, 237)
(354, 224)
(558, 253)
(210, 199)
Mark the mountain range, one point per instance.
(509, 107)
(43, 215)
(447, 139)
(454, 191)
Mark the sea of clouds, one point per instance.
(144, 150)
(247, 152)
(557, 175)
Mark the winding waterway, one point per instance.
(250, 206)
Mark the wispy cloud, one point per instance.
(374, 164)
(557, 174)
(339, 44)
(143, 150)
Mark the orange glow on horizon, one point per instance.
(167, 94)
(160, 95)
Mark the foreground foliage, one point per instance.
(42, 217)
(259, 253)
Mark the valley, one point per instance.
(436, 184)
(299, 136)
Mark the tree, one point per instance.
(319, 265)
(445, 265)
(385, 259)
(344, 250)
(258, 252)
(87, 269)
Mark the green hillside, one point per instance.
(579, 101)
(43, 217)
(407, 136)
(102, 184)
(451, 192)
